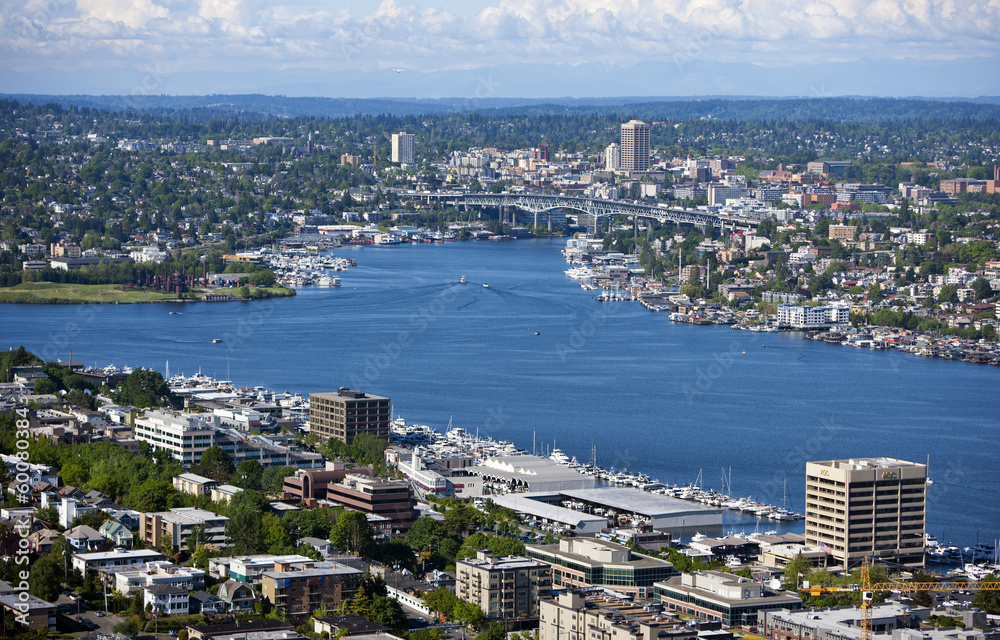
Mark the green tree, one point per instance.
(352, 532)
(127, 627)
(426, 534)
(388, 612)
(948, 293)
(495, 631)
(273, 479)
(248, 475)
(246, 533)
(215, 464)
(988, 601)
(797, 568)
(468, 613)
(46, 577)
(144, 388)
(980, 285)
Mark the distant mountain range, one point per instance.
(506, 85)
(259, 106)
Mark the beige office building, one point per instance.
(504, 588)
(345, 413)
(402, 147)
(874, 507)
(635, 146)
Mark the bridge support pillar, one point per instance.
(550, 222)
(536, 219)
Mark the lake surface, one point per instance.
(672, 400)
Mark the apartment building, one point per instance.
(165, 599)
(798, 317)
(579, 615)
(874, 507)
(378, 496)
(402, 147)
(346, 413)
(129, 581)
(194, 484)
(588, 562)
(732, 600)
(181, 523)
(297, 589)
(185, 436)
(91, 562)
(503, 587)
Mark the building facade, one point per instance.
(635, 146)
(874, 507)
(732, 600)
(179, 524)
(505, 587)
(297, 589)
(586, 562)
(345, 413)
(402, 147)
(577, 615)
(613, 157)
(378, 496)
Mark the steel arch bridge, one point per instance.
(598, 208)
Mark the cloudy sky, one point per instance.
(326, 47)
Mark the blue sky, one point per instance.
(170, 46)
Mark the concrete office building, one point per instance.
(185, 436)
(503, 587)
(585, 562)
(343, 414)
(874, 507)
(732, 600)
(635, 146)
(402, 147)
(389, 499)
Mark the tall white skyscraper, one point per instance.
(402, 147)
(613, 157)
(635, 146)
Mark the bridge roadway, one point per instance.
(539, 203)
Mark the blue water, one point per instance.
(668, 399)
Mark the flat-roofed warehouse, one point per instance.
(512, 474)
(679, 517)
(583, 524)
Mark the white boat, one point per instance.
(486, 285)
(216, 340)
(559, 457)
(328, 281)
(462, 281)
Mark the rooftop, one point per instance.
(317, 569)
(637, 501)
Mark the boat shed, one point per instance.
(513, 474)
(673, 515)
(582, 524)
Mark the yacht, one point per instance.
(328, 281)
(559, 457)
(463, 280)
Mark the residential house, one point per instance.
(206, 604)
(237, 596)
(41, 541)
(165, 599)
(84, 538)
(117, 533)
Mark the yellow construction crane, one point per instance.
(868, 591)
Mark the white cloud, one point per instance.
(239, 34)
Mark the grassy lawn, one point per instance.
(54, 293)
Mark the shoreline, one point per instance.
(81, 294)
